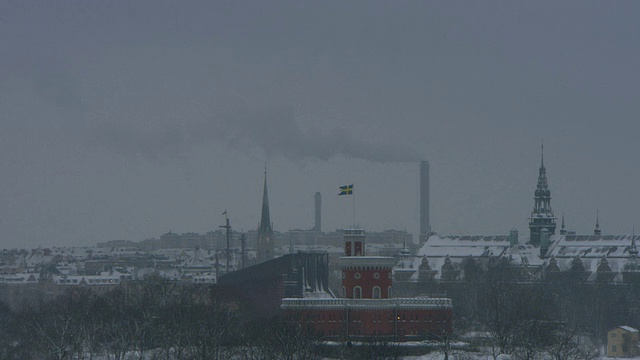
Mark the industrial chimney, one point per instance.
(425, 226)
(318, 226)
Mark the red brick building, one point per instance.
(367, 308)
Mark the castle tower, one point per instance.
(265, 232)
(542, 214)
(364, 277)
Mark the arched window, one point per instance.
(344, 292)
(377, 292)
(389, 291)
(357, 292)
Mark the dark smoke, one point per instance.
(275, 131)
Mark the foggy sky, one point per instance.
(124, 120)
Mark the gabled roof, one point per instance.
(464, 246)
(591, 249)
(590, 246)
(628, 328)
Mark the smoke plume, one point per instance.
(275, 131)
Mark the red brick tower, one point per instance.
(367, 308)
(364, 277)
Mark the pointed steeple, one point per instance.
(265, 231)
(563, 231)
(542, 174)
(542, 214)
(265, 218)
(542, 155)
(597, 230)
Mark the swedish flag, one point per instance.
(346, 190)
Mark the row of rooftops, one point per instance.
(613, 253)
(559, 246)
(502, 238)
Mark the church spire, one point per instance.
(563, 231)
(265, 231)
(542, 215)
(542, 155)
(597, 230)
(265, 218)
(542, 175)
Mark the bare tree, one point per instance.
(278, 339)
(9, 348)
(48, 330)
(376, 349)
(205, 323)
(117, 332)
(569, 345)
(147, 302)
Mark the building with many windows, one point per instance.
(367, 307)
(541, 255)
(622, 342)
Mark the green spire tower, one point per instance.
(542, 215)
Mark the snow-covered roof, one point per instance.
(628, 328)
(464, 246)
(590, 246)
(19, 278)
(591, 249)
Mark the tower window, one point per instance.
(357, 292)
(377, 292)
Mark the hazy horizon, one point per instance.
(127, 120)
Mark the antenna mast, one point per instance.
(228, 251)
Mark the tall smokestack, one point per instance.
(425, 226)
(318, 226)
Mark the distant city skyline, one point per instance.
(127, 121)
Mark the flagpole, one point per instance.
(348, 190)
(354, 206)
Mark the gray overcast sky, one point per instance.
(124, 120)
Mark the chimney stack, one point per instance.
(318, 226)
(425, 226)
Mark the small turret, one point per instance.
(604, 264)
(633, 251)
(354, 244)
(425, 273)
(448, 273)
(577, 265)
(552, 267)
(604, 273)
(563, 231)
